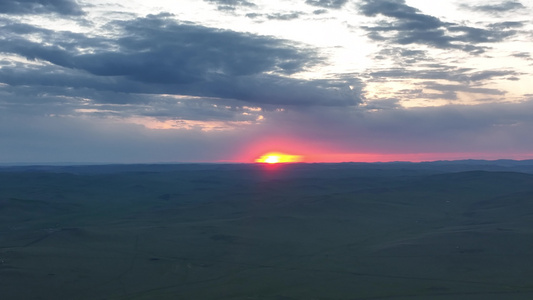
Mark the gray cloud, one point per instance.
(231, 5)
(495, 8)
(157, 55)
(253, 15)
(410, 26)
(336, 4)
(160, 50)
(490, 127)
(41, 101)
(45, 139)
(284, 16)
(403, 56)
(453, 88)
(320, 11)
(384, 104)
(19, 7)
(525, 55)
(263, 90)
(444, 81)
(232, 2)
(490, 74)
(506, 25)
(463, 75)
(497, 129)
(276, 16)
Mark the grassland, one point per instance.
(328, 232)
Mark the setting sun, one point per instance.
(276, 157)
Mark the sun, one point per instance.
(272, 159)
(277, 157)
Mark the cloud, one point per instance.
(383, 104)
(336, 4)
(164, 51)
(410, 26)
(98, 94)
(231, 5)
(155, 49)
(232, 2)
(276, 16)
(264, 90)
(45, 139)
(443, 72)
(284, 16)
(451, 89)
(484, 128)
(155, 67)
(21, 7)
(492, 129)
(430, 82)
(402, 56)
(525, 55)
(506, 6)
(320, 11)
(507, 25)
(253, 15)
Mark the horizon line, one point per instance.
(80, 164)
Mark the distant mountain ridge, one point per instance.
(440, 166)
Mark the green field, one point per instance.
(325, 231)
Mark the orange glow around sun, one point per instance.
(277, 157)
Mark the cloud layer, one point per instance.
(63, 7)
(410, 26)
(368, 76)
(157, 55)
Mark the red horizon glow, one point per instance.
(316, 152)
(324, 157)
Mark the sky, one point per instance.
(229, 80)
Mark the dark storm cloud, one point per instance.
(327, 3)
(19, 7)
(410, 26)
(495, 8)
(157, 55)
